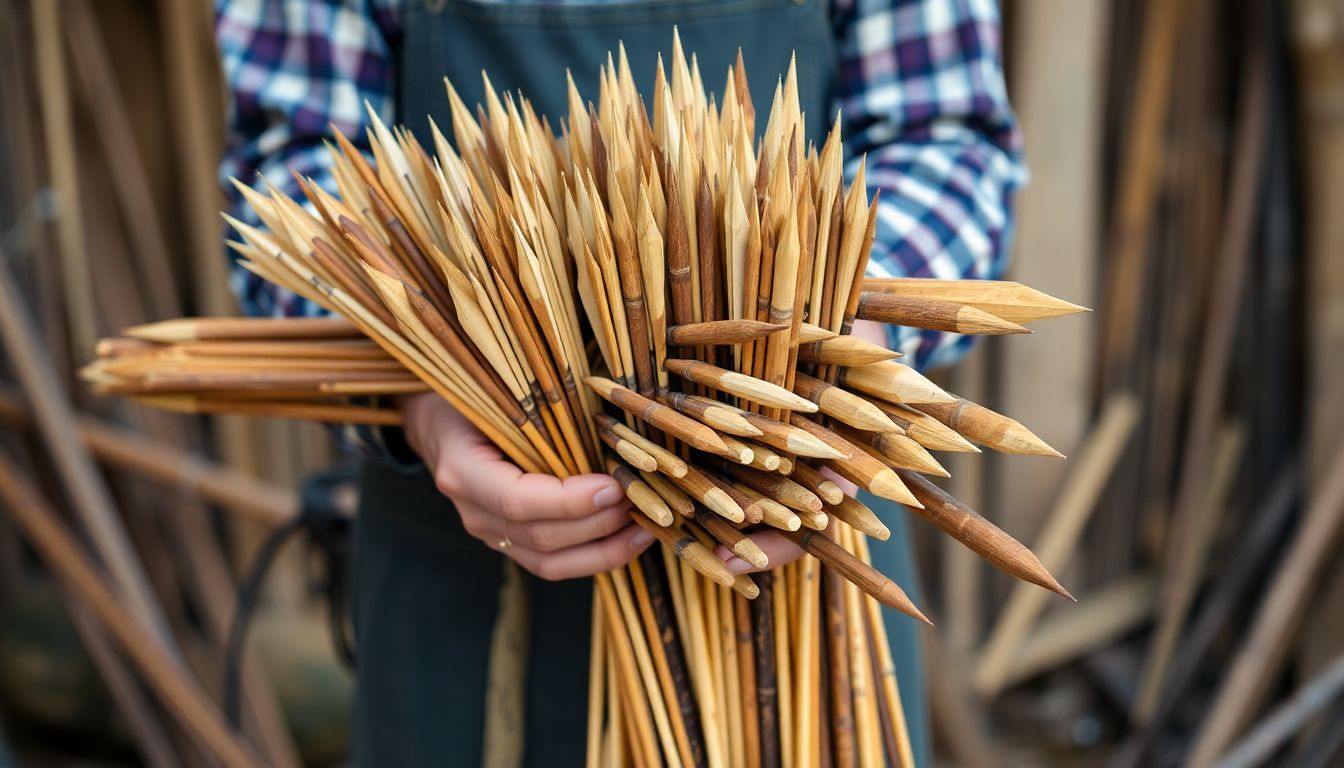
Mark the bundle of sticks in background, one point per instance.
(669, 301)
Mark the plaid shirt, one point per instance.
(920, 88)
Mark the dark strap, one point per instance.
(328, 528)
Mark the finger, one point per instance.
(554, 535)
(588, 559)
(534, 497)
(778, 551)
(849, 488)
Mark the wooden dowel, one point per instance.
(655, 583)
(862, 575)
(857, 466)
(687, 430)
(933, 314)
(843, 406)
(720, 332)
(1010, 301)
(844, 350)
(988, 428)
(239, 328)
(740, 385)
(689, 551)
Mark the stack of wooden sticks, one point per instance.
(668, 301)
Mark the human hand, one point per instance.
(556, 529)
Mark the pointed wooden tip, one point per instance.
(894, 597)
(889, 486)
(978, 321)
(746, 587)
(748, 550)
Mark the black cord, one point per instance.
(329, 531)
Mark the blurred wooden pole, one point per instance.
(1087, 478)
(92, 501)
(53, 88)
(1260, 658)
(1102, 616)
(141, 718)
(1140, 174)
(1058, 54)
(1182, 585)
(164, 673)
(1316, 38)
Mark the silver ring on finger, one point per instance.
(505, 543)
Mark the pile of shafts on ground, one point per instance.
(668, 301)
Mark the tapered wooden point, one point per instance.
(741, 385)
(717, 332)
(845, 350)
(1013, 302)
(809, 333)
(987, 427)
(744, 586)
(889, 486)
(978, 321)
(894, 382)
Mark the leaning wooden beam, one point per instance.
(184, 698)
(1258, 746)
(127, 449)
(1265, 648)
(1077, 500)
(92, 501)
(1103, 616)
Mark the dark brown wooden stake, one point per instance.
(767, 696)
(655, 578)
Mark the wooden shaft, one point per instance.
(858, 516)
(978, 534)
(933, 314)
(628, 451)
(858, 573)
(704, 490)
(807, 476)
(1011, 301)
(777, 487)
(843, 753)
(843, 406)
(858, 467)
(730, 537)
(741, 385)
(656, 585)
(660, 416)
(720, 332)
(844, 350)
(689, 551)
(187, 703)
(711, 413)
(767, 696)
(641, 495)
(668, 462)
(988, 428)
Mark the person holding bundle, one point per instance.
(919, 88)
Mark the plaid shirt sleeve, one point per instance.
(294, 69)
(922, 93)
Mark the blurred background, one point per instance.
(1187, 163)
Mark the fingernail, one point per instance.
(739, 566)
(608, 496)
(641, 539)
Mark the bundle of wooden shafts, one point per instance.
(527, 279)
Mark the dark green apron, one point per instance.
(426, 593)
